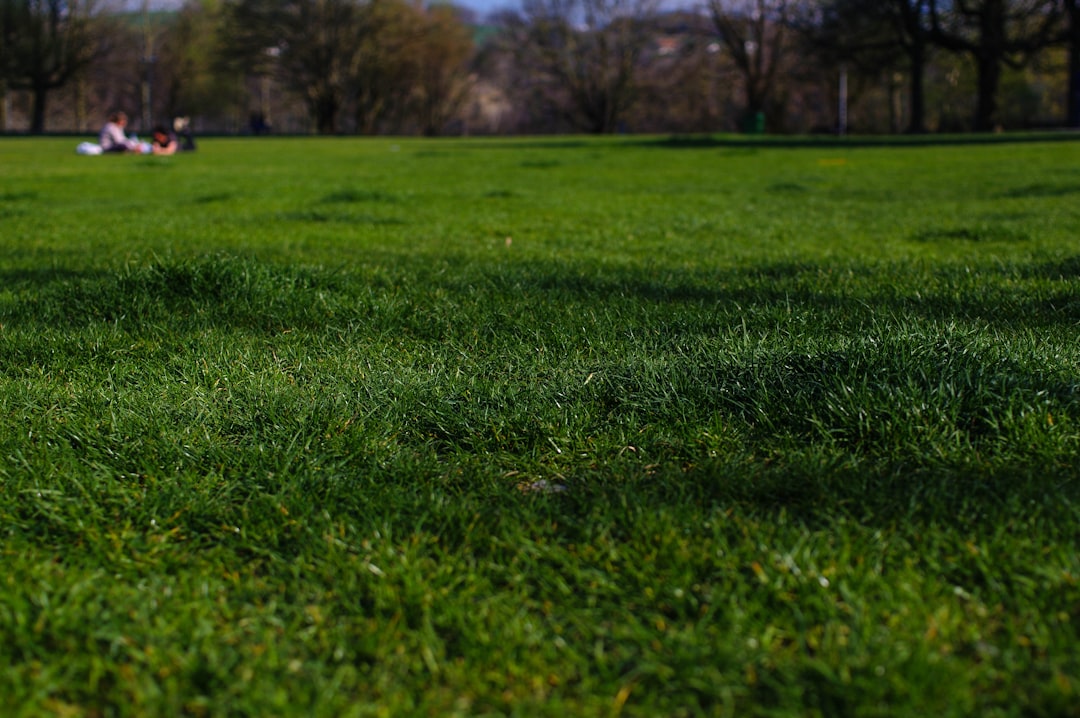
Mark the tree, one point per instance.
(309, 43)
(752, 33)
(444, 49)
(583, 55)
(872, 34)
(910, 21)
(680, 90)
(192, 83)
(385, 65)
(994, 33)
(1072, 40)
(45, 43)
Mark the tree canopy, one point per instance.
(44, 44)
(398, 66)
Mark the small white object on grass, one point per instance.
(542, 486)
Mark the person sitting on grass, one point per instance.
(182, 128)
(114, 139)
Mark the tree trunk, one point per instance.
(324, 108)
(993, 41)
(893, 81)
(917, 122)
(989, 69)
(599, 119)
(1072, 103)
(37, 114)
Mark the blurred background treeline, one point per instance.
(405, 67)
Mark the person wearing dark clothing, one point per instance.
(182, 128)
(164, 142)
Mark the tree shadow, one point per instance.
(226, 292)
(538, 143)
(968, 494)
(44, 279)
(755, 142)
(20, 196)
(991, 232)
(1063, 269)
(1041, 190)
(357, 196)
(795, 286)
(776, 395)
(851, 141)
(213, 198)
(314, 216)
(66, 297)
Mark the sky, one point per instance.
(481, 7)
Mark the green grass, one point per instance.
(540, 427)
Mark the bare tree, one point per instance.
(43, 45)
(680, 90)
(310, 43)
(583, 55)
(753, 34)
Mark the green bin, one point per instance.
(754, 123)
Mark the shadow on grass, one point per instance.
(18, 196)
(817, 288)
(1041, 190)
(236, 291)
(224, 292)
(981, 233)
(980, 495)
(355, 196)
(528, 144)
(1063, 269)
(754, 142)
(853, 141)
(43, 279)
(214, 198)
(320, 217)
(803, 449)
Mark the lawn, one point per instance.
(540, 427)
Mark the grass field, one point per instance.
(566, 427)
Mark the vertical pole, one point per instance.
(841, 110)
(1074, 99)
(265, 109)
(80, 102)
(148, 70)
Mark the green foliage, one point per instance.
(194, 81)
(410, 68)
(543, 427)
(385, 61)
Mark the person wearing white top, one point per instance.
(114, 139)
